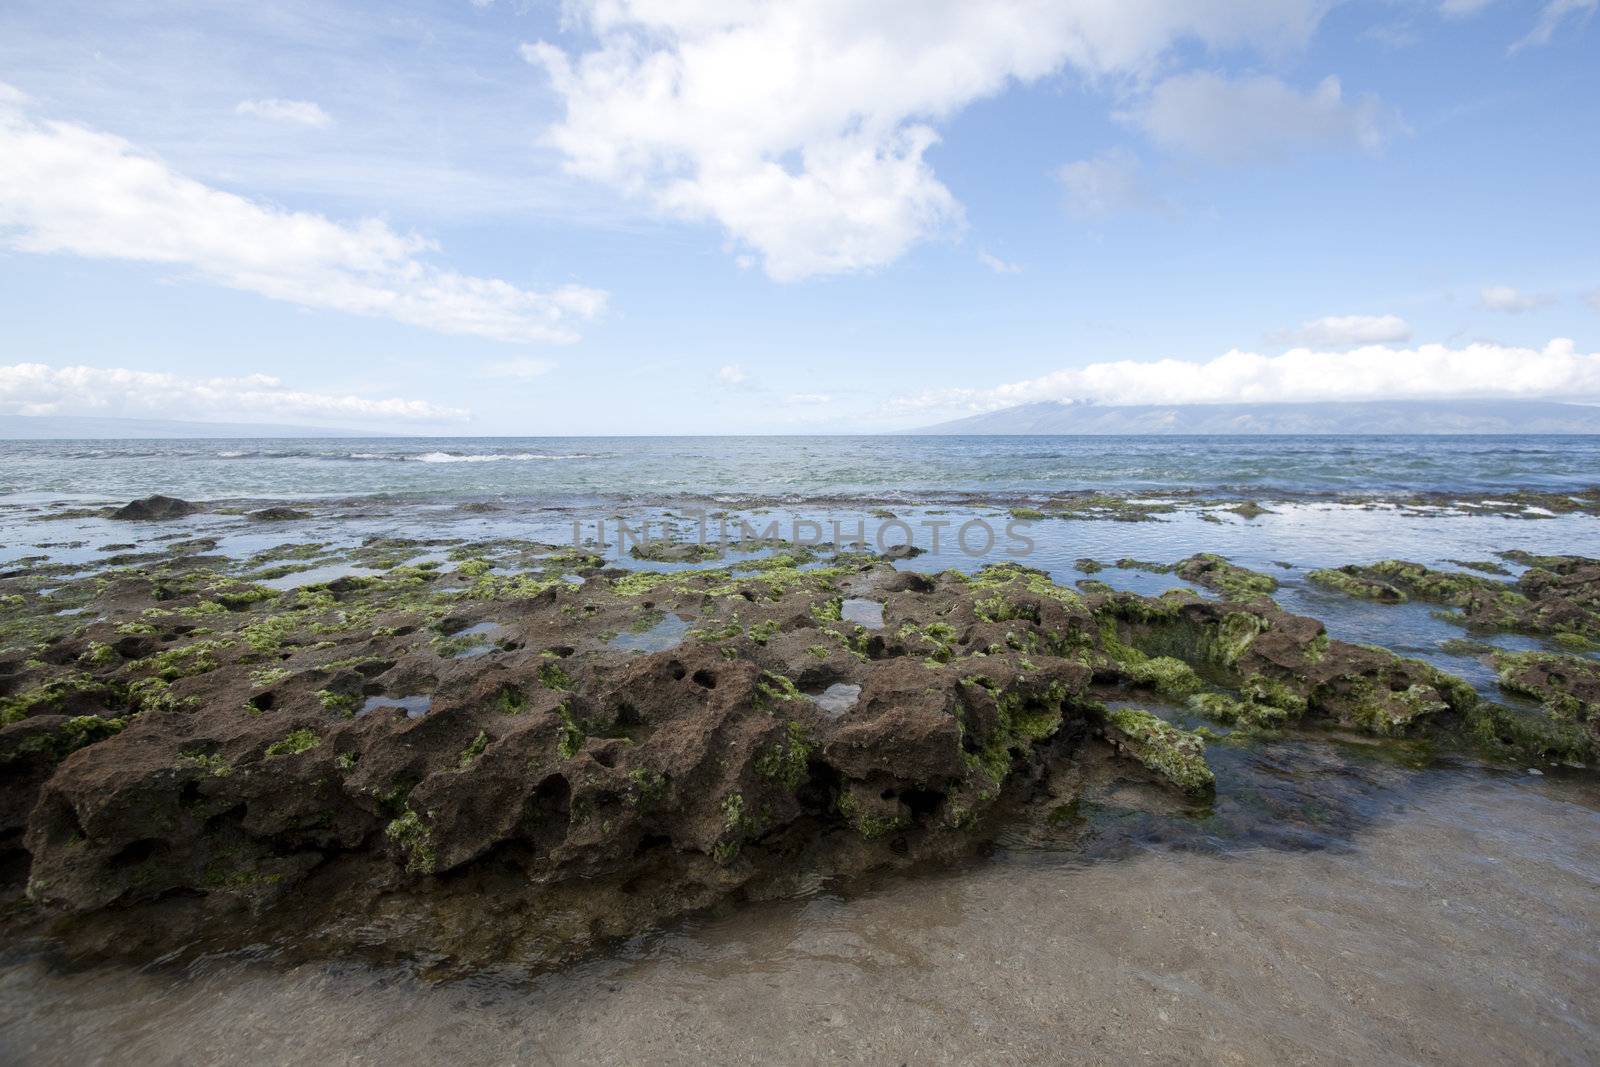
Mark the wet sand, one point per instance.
(1453, 923)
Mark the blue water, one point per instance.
(571, 470)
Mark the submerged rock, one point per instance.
(278, 514)
(665, 551)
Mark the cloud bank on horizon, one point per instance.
(37, 389)
(1370, 372)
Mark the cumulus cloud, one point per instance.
(39, 389)
(1551, 16)
(65, 188)
(808, 398)
(1242, 120)
(803, 128)
(732, 374)
(1373, 372)
(293, 112)
(1343, 330)
(996, 264)
(1109, 184)
(1514, 301)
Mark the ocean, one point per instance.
(578, 470)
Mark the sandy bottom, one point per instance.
(1457, 927)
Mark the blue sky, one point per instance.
(676, 216)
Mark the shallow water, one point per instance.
(666, 633)
(415, 706)
(1439, 916)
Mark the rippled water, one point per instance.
(572, 469)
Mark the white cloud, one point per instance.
(1375, 372)
(1240, 120)
(802, 128)
(996, 264)
(1551, 16)
(808, 398)
(1513, 301)
(39, 389)
(1109, 184)
(732, 374)
(65, 188)
(1344, 330)
(523, 369)
(293, 112)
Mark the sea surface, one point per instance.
(571, 470)
(1341, 902)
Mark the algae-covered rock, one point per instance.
(156, 508)
(1567, 686)
(1231, 580)
(1177, 756)
(1557, 596)
(1352, 581)
(664, 551)
(251, 763)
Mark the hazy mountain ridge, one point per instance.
(1349, 417)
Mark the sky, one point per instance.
(515, 217)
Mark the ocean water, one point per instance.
(572, 470)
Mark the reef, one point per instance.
(479, 755)
(1556, 596)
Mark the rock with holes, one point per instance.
(208, 757)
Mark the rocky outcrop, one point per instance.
(1557, 595)
(155, 509)
(339, 765)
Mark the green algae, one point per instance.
(415, 840)
(570, 736)
(210, 763)
(871, 825)
(71, 735)
(470, 754)
(1229, 579)
(297, 741)
(1349, 581)
(646, 788)
(786, 761)
(553, 676)
(1176, 755)
(779, 687)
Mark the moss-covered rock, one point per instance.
(1177, 756)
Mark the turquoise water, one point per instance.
(572, 470)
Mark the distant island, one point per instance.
(1356, 417)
